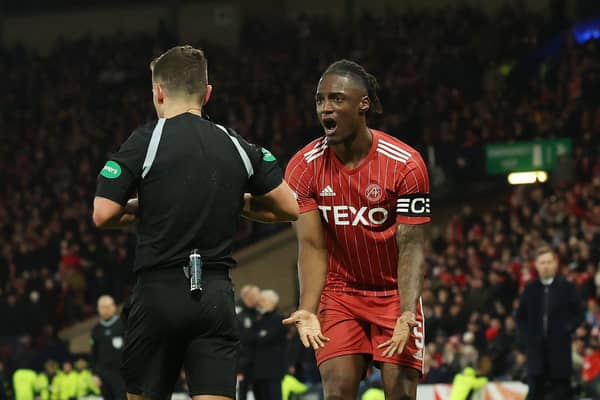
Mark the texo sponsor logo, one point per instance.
(348, 215)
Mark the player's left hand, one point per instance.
(132, 206)
(404, 325)
(128, 219)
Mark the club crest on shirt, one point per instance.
(374, 192)
(117, 342)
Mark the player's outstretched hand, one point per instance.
(404, 325)
(309, 329)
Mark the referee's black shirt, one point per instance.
(191, 195)
(107, 345)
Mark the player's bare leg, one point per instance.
(399, 382)
(342, 375)
(131, 396)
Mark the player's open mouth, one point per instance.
(330, 126)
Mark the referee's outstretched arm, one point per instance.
(278, 205)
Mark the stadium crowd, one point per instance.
(451, 82)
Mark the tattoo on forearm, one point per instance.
(410, 240)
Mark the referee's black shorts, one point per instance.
(166, 327)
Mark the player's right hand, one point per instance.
(309, 329)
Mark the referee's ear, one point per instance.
(207, 95)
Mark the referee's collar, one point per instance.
(110, 321)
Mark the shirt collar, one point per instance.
(547, 282)
(110, 321)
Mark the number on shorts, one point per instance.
(418, 334)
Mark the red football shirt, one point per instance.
(360, 207)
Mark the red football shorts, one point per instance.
(358, 324)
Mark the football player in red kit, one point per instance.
(363, 197)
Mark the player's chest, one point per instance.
(359, 199)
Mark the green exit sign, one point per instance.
(525, 156)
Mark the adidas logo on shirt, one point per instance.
(327, 191)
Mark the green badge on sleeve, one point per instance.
(111, 170)
(267, 155)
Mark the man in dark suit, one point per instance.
(549, 312)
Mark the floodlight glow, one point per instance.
(542, 176)
(523, 178)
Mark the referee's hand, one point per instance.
(309, 329)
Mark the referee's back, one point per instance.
(191, 175)
(185, 181)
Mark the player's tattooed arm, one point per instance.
(410, 240)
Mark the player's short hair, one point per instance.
(544, 249)
(358, 73)
(181, 70)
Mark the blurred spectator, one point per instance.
(24, 384)
(246, 315)
(6, 388)
(466, 383)
(436, 370)
(107, 350)
(469, 356)
(499, 349)
(591, 372)
(269, 349)
(518, 369)
(46, 378)
(66, 382)
(50, 346)
(87, 385)
(577, 354)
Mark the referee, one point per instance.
(193, 178)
